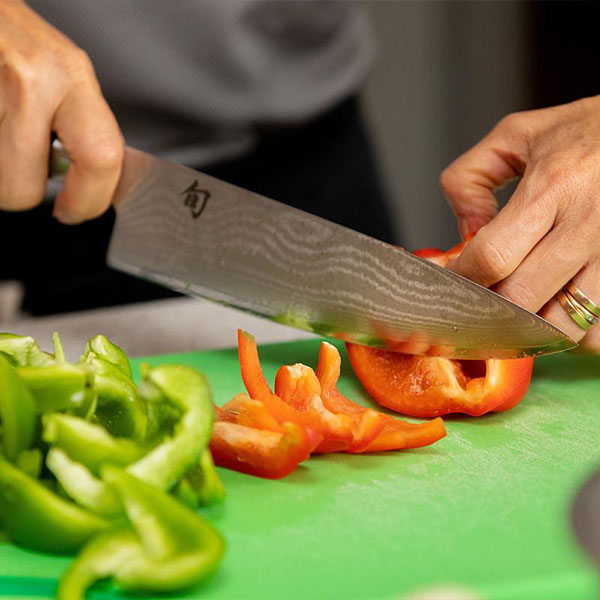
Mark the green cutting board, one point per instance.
(486, 508)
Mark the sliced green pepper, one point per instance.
(79, 484)
(188, 390)
(169, 549)
(88, 443)
(119, 408)
(201, 486)
(37, 518)
(30, 462)
(17, 412)
(23, 351)
(60, 386)
(102, 347)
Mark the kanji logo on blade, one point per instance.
(196, 198)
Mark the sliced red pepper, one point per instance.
(298, 386)
(257, 386)
(296, 398)
(250, 413)
(375, 431)
(426, 386)
(260, 452)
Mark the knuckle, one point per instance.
(14, 199)
(21, 73)
(78, 59)
(520, 294)
(102, 155)
(491, 260)
(449, 180)
(511, 122)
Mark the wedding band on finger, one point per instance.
(582, 299)
(575, 311)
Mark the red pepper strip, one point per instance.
(257, 386)
(260, 452)
(250, 413)
(441, 258)
(299, 387)
(376, 431)
(424, 386)
(367, 423)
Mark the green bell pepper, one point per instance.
(188, 390)
(88, 443)
(80, 484)
(201, 486)
(101, 347)
(37, 518)
(30, 462)
(17, 412)
(60, 386)
(119, 408)
(23, 351)
(169, 547)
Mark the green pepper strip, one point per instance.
(23, 351)
(17, 412)
(79, 483)
(30, 462)
(188, 390)
(171, 547)
(119, 408)
(201, 486)
(103, 348)
(88, 443)
(60, 386)
(37, 518)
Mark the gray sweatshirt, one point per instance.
(192, 80)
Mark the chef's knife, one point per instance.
(204, 237)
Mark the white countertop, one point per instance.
(159, 327)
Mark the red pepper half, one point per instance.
(426, 386)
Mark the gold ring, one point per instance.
(572, 310)
(582, 299)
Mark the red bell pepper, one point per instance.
(426, 386)
(296, 398)
(260, 452)
(268, 434)
(375, 431)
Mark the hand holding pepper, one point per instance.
(547, 234)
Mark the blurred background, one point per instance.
(442, 75)
(446, 72)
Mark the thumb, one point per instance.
(470, 181)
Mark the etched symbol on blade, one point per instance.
(196, 198)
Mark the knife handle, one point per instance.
(58, 160)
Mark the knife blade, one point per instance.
(204, 237)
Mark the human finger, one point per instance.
(90, 133)
(501, 245)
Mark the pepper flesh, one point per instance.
(17, 412)
(37, 518)
(168, 547)
(425, 386)
(376, 431)
(188, 390)
(260, 452)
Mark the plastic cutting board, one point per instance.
(486, 509)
